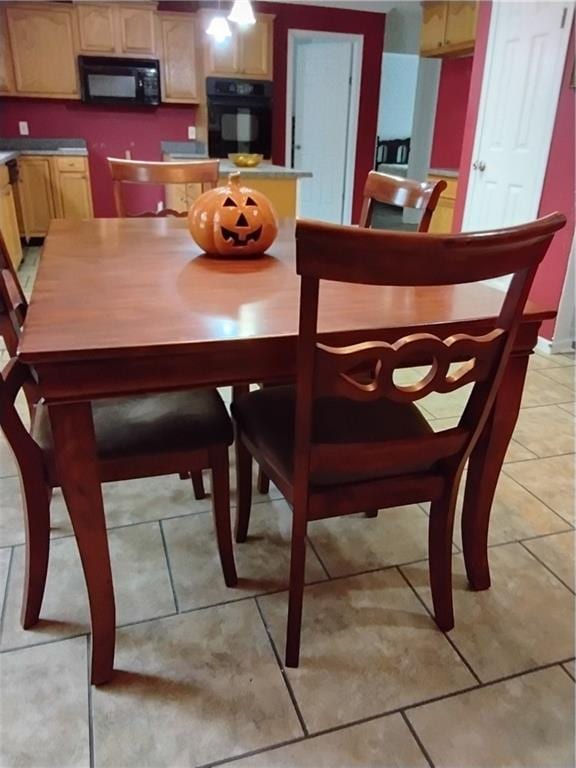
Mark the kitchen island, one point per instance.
(278, 183)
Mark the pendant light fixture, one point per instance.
(219, 28)
(242, 13)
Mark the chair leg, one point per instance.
(296, 596)
(440, 529)
(263, 484)
(198, 484)
(37, 516)
(221, 513)
(243, 489)
(372, 513)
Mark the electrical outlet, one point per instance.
(128, 154)
(23, 128)
(191, 132)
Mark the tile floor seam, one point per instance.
(89, 702)
(253, 753)
(5, 593)
(168, 566)
(540, 458)
(417, 739)
(313, 548)
(287, 683)
(567, 672)
(542, 563)
(446, 635)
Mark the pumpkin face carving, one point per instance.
(233, 220)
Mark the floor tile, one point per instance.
(570, 667)
(557, 552)
(44, 696)
(551, 480)
(516, 514)
(383, 743)
(190, 690)
(569, 407)
(8, 466)
(526, 722)
(262, 562)
(5, 555)
(526, 619)
(515, 452)
(351, 544)
(540, 361)
(540, 390)
(368, 646)
(546, 430)
(564, 376)
(444, 405)
(141, 584)
(12, 517)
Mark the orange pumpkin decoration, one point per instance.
(233, 220)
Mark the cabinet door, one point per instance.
(433, 26)
(96, 28)
(461, 23)
(43, 50)
(36, 195)
(255, 43)
(6, 71)
(137, 30)
(9, 225)
(73, 195)
(180, 67)
(222, 58)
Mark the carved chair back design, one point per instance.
(365, 371)
(400, 192)
(201, 172)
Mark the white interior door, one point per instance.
(524, 65)
(320, 122)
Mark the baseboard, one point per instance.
(544, 346)
(561, 346)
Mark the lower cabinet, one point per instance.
(52, 187)
(8, 219)
(443, 215)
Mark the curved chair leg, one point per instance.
(243, 489)
(198, 483)
(221, 512)
(263, 483)
(296, 596)
(440, 529)
(37, 517)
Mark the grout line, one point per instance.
(532, 492)
(90, 720)
(417, 739)
(283, 671)
(253, 752)
(174, 595)
(568, 673)
(446, 635)
(543, 564)
(313, 548)
(5, 593)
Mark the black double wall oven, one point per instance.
(239, 116)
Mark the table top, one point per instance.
(130, 287)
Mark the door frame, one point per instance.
(488, 69)
(563, 337)
(353, 113)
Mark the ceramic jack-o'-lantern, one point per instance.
(233, 220)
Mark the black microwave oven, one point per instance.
(111, 80)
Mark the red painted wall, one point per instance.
(453, 91)
(109, 132)
(559, 183)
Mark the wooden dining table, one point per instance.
(127, 306)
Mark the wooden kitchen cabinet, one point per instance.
(180, 76)
(43, 45)
(8, 219)
(111, 29)
(248, 53)
(96, 28)
(137, 30)
(52, 187)
(6, 69)
(448, 28)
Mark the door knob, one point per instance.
(479, 165)
(297, 146)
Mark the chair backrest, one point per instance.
(365, 371)
(405, 193)
(201, 172)
(13, 303)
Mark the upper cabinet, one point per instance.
(43, 50)
(248, 53)
(117, 29)
(448, 28)
(6, 70)
(180, 78)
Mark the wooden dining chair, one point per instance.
(143, 436)
(337, 441)
(201, 172)
(402, 193)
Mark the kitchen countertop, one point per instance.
(402, 169)
(26, 146)
(6, 156)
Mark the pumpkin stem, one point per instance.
(234, 179)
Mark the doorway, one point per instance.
(322, 98)
(522, 77)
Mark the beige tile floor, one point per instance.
(199, 677)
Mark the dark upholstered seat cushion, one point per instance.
(267, 417)
(149, 424)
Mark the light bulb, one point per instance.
(242, 13)
(219, 29)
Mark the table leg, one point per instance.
(484, 470)
(78, 472)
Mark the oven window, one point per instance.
(115, 86)
(240, 126)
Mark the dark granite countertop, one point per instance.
(23, 145)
